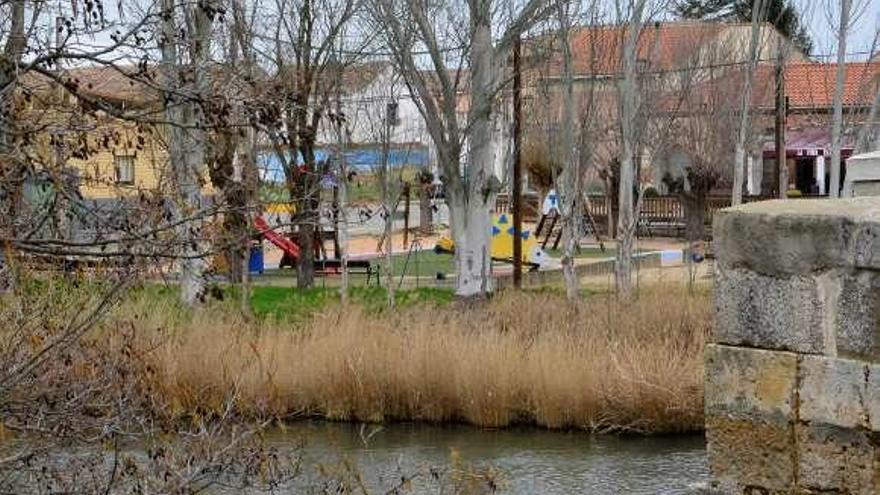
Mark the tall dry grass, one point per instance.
(519, 358)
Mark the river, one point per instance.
(526, 460)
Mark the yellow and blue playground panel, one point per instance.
(501, 247)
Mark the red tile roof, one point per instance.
(663, 46)
(811, 86)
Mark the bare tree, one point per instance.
(455, 37)
(758, 15)
(375, 113)
(837, 122)
(183, 91)
(231, 148)
(339, 119)
(306, 66)
(629, 103)
(869, 134)
(569, 185)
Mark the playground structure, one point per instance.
(550, 213)
(323, 265)
(501, 247)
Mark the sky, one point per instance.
(822, 18)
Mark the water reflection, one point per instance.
(530, 461)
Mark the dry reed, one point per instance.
(519, 358)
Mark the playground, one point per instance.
(424, 261)
(423, 255)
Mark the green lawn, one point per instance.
(287, 303)
(424, 264)
(428, 263)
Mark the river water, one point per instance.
(527, 461)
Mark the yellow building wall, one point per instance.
(152, 171)
(104, 138)
(98, 172)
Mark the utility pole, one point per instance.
(387, 200)
(781, 165)
(407, 195)
(517, 167)
(341, 248)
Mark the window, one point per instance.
(124, 165)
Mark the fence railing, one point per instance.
(657, 212)
(666, 209)
(531, 205)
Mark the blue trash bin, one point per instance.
(255, 261)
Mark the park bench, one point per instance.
(334, 267)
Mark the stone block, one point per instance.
(832, 391)
(866, 244)
(835, 460)
(857, 315)
(772, 313)
(872, 397)
(750, 454)
(750, 383)
(783, 238)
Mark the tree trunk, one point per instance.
(234, 224)
(426, 211)
(186, 143)
(612, 191)
(629, 107)
(307, 222)
(307, 194)
(250, 182)
(341, 217)
(745, 103)
(568, 186)
(342, 233)
(869, 134)
(388, 204)
(10, 160)
(473, 258)
(389, 250)
(739, 160)
(694, 206)
(837, 121)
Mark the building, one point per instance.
(689, 75)
(111, 157)
(378, 110)
(79, 130)
(809, 96)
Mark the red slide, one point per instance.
(286, 245)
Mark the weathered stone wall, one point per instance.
(793, 370)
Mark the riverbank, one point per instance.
(519, 358)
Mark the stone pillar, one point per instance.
(793, 368)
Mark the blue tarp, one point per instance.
(361, 160)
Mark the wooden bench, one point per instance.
(334, 267)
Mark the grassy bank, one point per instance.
(519, 358)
